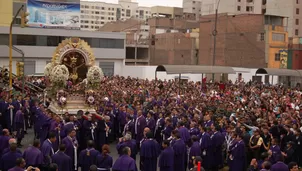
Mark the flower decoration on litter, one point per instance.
(48, 68)
(94, 75)
(59, 74)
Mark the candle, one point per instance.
(199, 166)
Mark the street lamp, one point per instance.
(214, 33)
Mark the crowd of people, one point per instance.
(162, 124)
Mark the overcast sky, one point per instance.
(172, 3)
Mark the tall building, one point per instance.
(96, 14)
(208, 7)
(288, 8)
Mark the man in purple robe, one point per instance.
(168, 129)
(194, 151)
(8, 160)
(149, 152)
(180, 153)
(238, 155)
(4, 138)
(9, 115)
(88, 156)
(184, 133)
(3, 113)
(71, 147)
(140, 124)
(63, 161)
(274, 151)
(126, 141)
(217, 140)
(129, 127)
(20, 165)
(47, 148)
(19, 126)
(150, 121)
(160, 124)
(279, 166)
(166, 158)
(33, 156)
(125, 162)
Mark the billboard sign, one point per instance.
(46, 14)
(283, 59)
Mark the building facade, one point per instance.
(247, 40)
(95, 14)
(38, 46)
(295, 54)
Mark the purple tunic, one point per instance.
(149, 152)
(184, 134)
(124, 163)
(69, 148)
(239, 157)
(166, 160)
(279, 166)
(194, 151)
(63, 161)
(19, 124)
(33, 156)
(3, 143)
(130, 144)
(104, 162)
(180, 153)
(16, 168)
(139, 127)
(8, 160)
(87, 158)
(47, 151)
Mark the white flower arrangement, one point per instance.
(48, 68)
(59, 73)
(90, 99)
(94, 74)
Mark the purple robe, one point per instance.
(160, 124)
(279, 166)
(208, 123)
(8, 160)
(166, 160)
(217, 140)
(180, 153)
(129, 127)
(63, 161)
(104, 162)
(149, 152)
(3, 143)
(87, 158)
(139, 127)
(194, 131)
(70, 149)
(124, 163)
(8, 150)
(151, 124)
(184, 134)
(33, 156)
(131, 144)
(276, 153)
(167, 132)
(207, 155)
(47, 151)
(194, 151)
(16, 168)
(238, 156)
(19, 124)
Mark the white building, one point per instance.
(96, 14)
(38, 46)
(286, 8)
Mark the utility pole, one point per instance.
(11, 50)
(214, 33)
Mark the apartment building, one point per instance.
(291, 9)
(95, 14)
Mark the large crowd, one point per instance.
(162, 124)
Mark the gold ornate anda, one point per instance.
(73, 44)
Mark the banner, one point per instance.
(45, 14)
(283, 59)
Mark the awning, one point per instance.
(278, 72)
(300, 72)
(194, 69)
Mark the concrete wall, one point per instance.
(6, 12)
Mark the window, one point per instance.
(264, 2)
(97, 12)
(297, 21)
(128, 13)
(239, 0)
(30, 40)
(249, 1)
(277, 56)
(279, 37)
(249, 8)
(29, 67)
(107, 67)
(297, 11)
(238, 8)
(193, 2)
(296, 32)
(261, 37)
(297, 1)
